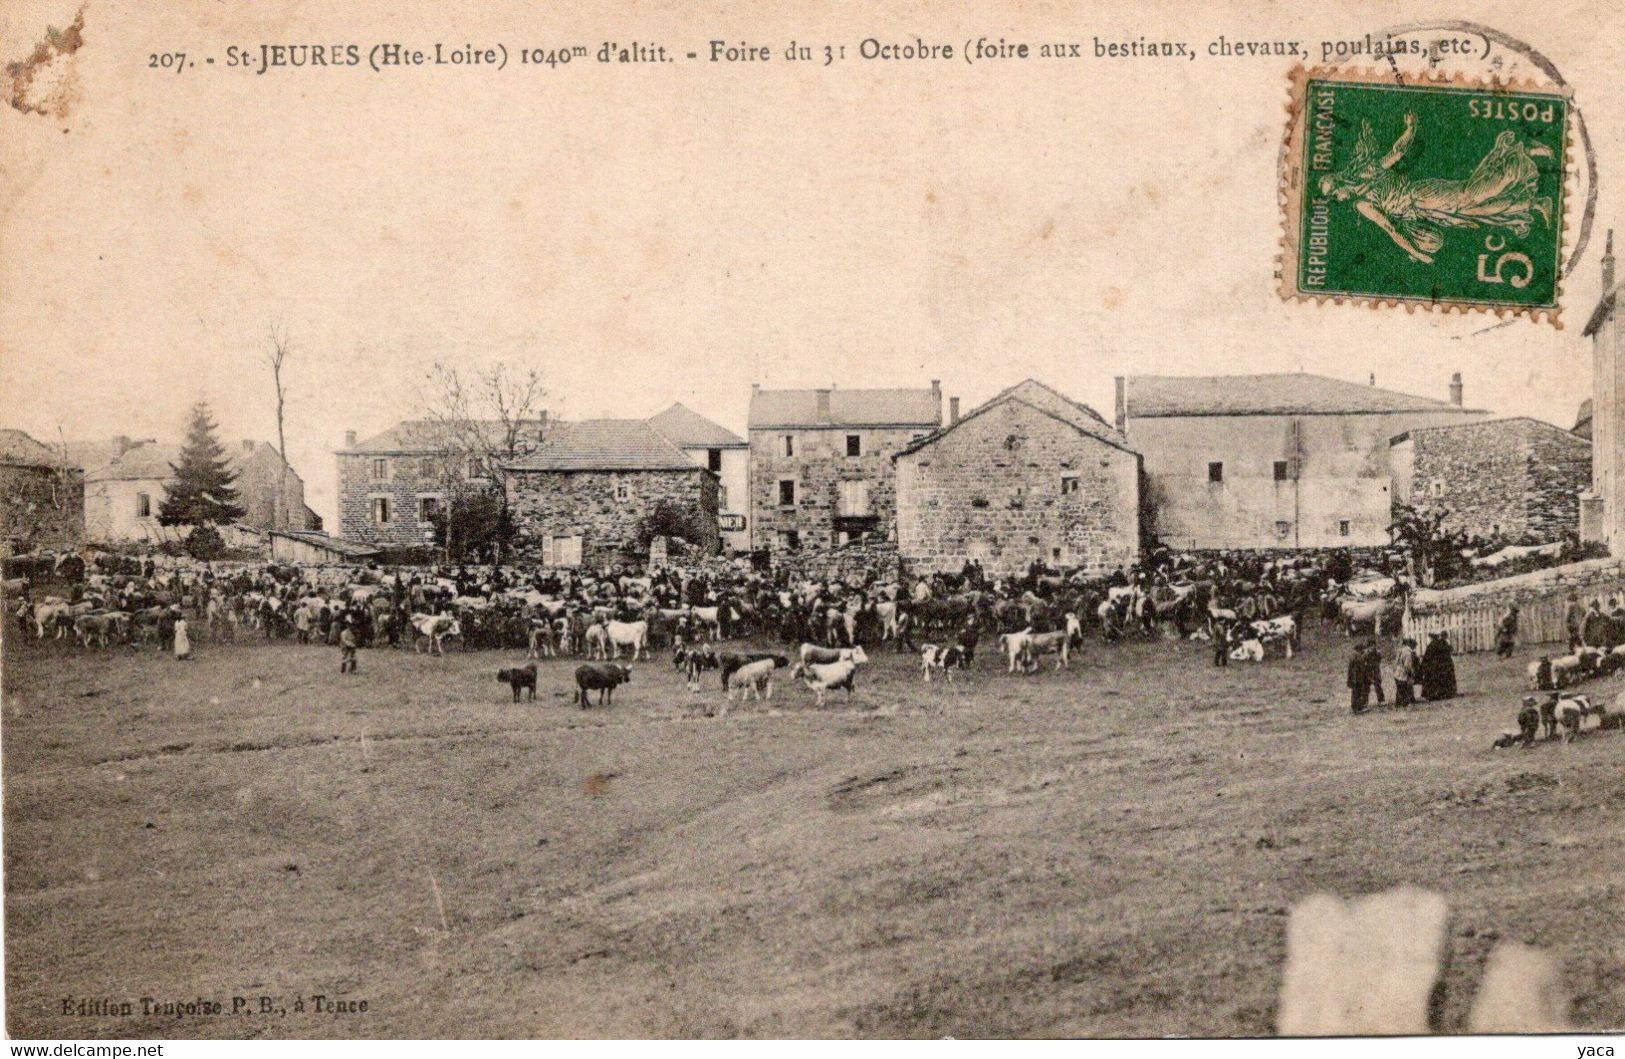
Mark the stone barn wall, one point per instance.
(992, 489)
(818, 467)
(1516, 477)
(552, 504)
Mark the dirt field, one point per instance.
(1110, 851)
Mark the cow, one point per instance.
(1011, 645)
(1282, 630)
(520, 678)
(102, 627)
(1046, 643)
(1572, 668)
(811, 653)
(52, 614)
(1248, 650)
(1571, 711)
(755, 678)
(942, 659)
(542, 643)
(693, 661)
(631, 634)
(822, 677)
(603, 679)
(595, 642)
(729, 662)
(1373, 612)
(435, 629)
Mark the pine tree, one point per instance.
(202, 492)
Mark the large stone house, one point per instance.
(125, 489)
(581, 498)
(392, 485)
(821, 471)
(1509, 478)
(42, 496)
(1029, 475)
(1602, 509)
(1271, 461)
(723, 453)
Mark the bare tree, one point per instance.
(480, 422)
(281, 345)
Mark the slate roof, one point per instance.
(686, 428)
(847, 408)
(1035, 395)
(1510, 424)
(19, 449)
(1296, 393)
(142, 462)
(420, 436)
(332, 544)
(1582, 419)
(605, 445)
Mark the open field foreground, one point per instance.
(1110, 851)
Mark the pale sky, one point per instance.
(649, 234)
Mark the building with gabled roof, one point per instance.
(583, 497)
(1271, 461)
(42, 496)
(723, 453)
(821, 471)
(1029, 476)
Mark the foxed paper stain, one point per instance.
(40, 84)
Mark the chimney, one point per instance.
(1122, 404)
(1608, 263)
(953, 410)
(122, 443)
(1455, 389)
(823, 406)
(1373, 378)
(349, 439)
(755, 388)
(248, 445)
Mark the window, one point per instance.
(787, 492)
(623, 491)
(1283, 530)
(1343, 528)
(380, 469)
(563, 551)
(1018, 499)
(427, 468)
(791, 540)
(1282, 471)
(380, 510)
(1215, 473)
(713, 460)
(143, 505)
(475, 468)
(1069, 486)
(787, 445)
(854, 499)
(854, 445)
(428, 508)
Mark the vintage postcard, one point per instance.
(824, 521)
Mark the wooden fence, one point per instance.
(1470, 615)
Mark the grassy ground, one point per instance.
(1110, 851)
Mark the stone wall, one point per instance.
(404, 484)
(41, 507)
(553, 504)
(819, 465)
(854, 563)
(1516, 478)
(1013, 484)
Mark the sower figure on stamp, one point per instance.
(1500, 192)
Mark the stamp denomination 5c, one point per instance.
(1434, 193)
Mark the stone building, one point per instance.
(582, 497)
(391, 485)
(1517, 479)
(1271, 461)
(42, 496)
(1029, 475)
(723, 453)
(1602, 509)
(124, 492)
(821, 471)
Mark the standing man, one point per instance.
(1407, 665)
(1572, 617)
(1506, 633)
(347, 646)
(1359, 680)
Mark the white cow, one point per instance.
(436, 629)
(631, 634)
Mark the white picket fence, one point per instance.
(1471, 615)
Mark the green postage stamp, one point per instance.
(1434, 193)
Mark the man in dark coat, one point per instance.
(1359, 679)
(1506, 633)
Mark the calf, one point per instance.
(1248, 650)
(755, 677)
(811, 653)
(729, 662)
(1045, 643)
(942, 659)
(1571, 710)
(828, 676)
(518, 678)
(603, 679)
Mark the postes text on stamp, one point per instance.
(1444, 194)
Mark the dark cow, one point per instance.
(520, 678)
(604, 679)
